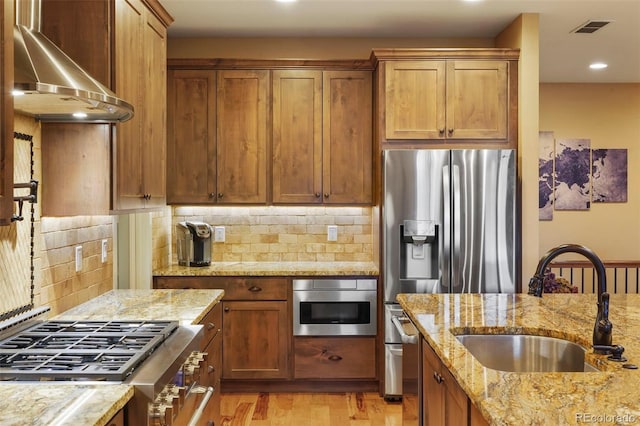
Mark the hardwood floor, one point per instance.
(308, 409)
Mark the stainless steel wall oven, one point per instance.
(334, 307)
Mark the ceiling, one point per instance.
(564, 55)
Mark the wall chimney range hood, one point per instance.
(51, 87)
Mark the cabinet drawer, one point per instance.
(256, 289)
(235, 288)
(212, 323)
(335, 357)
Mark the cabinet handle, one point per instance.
(226, 309)
(450, 132)
(220, 195)
(441, 131)
(254, 289)
(326, 195)
(211, 369)
(318, 195)
(335, 358)
(210, 326)
(438, 378)
(212, 195)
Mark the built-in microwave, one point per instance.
(334, 307)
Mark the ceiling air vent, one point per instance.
(591, 26)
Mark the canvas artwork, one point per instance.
(545, 175)
(572, 174)
(609, 175)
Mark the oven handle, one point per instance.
(406, 338)
(208, 393)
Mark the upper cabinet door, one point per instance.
(242, 136)
(477, 93)
(347, 137)
(415, 94)
(191, 136)
(6, 114)
(297, 136)
(154, 124)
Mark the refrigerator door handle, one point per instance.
(446, 231)
(457, 277)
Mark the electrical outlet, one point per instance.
(218, 234)
(78, 258)
(332, 233)
(103, 255)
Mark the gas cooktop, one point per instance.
(80, 350)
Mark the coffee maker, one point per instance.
(193, 243)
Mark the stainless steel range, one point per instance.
(159, 358)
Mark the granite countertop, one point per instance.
(302, 269)
(609, 396)
(86, 404)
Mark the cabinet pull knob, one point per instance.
(326, 195)
(450, 131)
(335, 358)
(220, 195)
(438, 378)
(226, 309)
(210, 326)
(211, 369)
(441, 131)
(212, 195)
(318, 195)
(254, 289)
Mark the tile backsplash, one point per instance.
(287, 234)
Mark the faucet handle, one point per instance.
(615, 352)
(536, 285)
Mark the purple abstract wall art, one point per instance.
(572, 174)
(609, 175)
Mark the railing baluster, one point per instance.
(621, 271)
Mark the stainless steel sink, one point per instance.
(526, 353)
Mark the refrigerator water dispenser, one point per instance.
(419, 249)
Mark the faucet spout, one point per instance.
(602, 328)
(536, 286)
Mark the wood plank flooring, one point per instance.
(308, 409)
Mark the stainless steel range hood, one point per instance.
(49, 85)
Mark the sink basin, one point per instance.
(526, 353)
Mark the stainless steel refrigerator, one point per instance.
(449, 226)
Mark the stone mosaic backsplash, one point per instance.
(288, 234)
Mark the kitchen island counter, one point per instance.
(266, 269)
(505, 398)
(78, 403)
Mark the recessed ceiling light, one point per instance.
(598, 66)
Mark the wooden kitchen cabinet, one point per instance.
(191, 142)
(256, 324)
(217, 136)
(322, 137)
(447, 96)
(242, 123)
(211, 345)
(140, 78)
(443, 400)
(122, 43)
(330, 357)
(6, 114)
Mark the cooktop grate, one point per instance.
(80, 350)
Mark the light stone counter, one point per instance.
(85, 404)
(286, 269)
(611, 396)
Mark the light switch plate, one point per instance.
(218, 234)
(332, 233)
(103, 255)
(78, 258)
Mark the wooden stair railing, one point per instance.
(623, 276)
